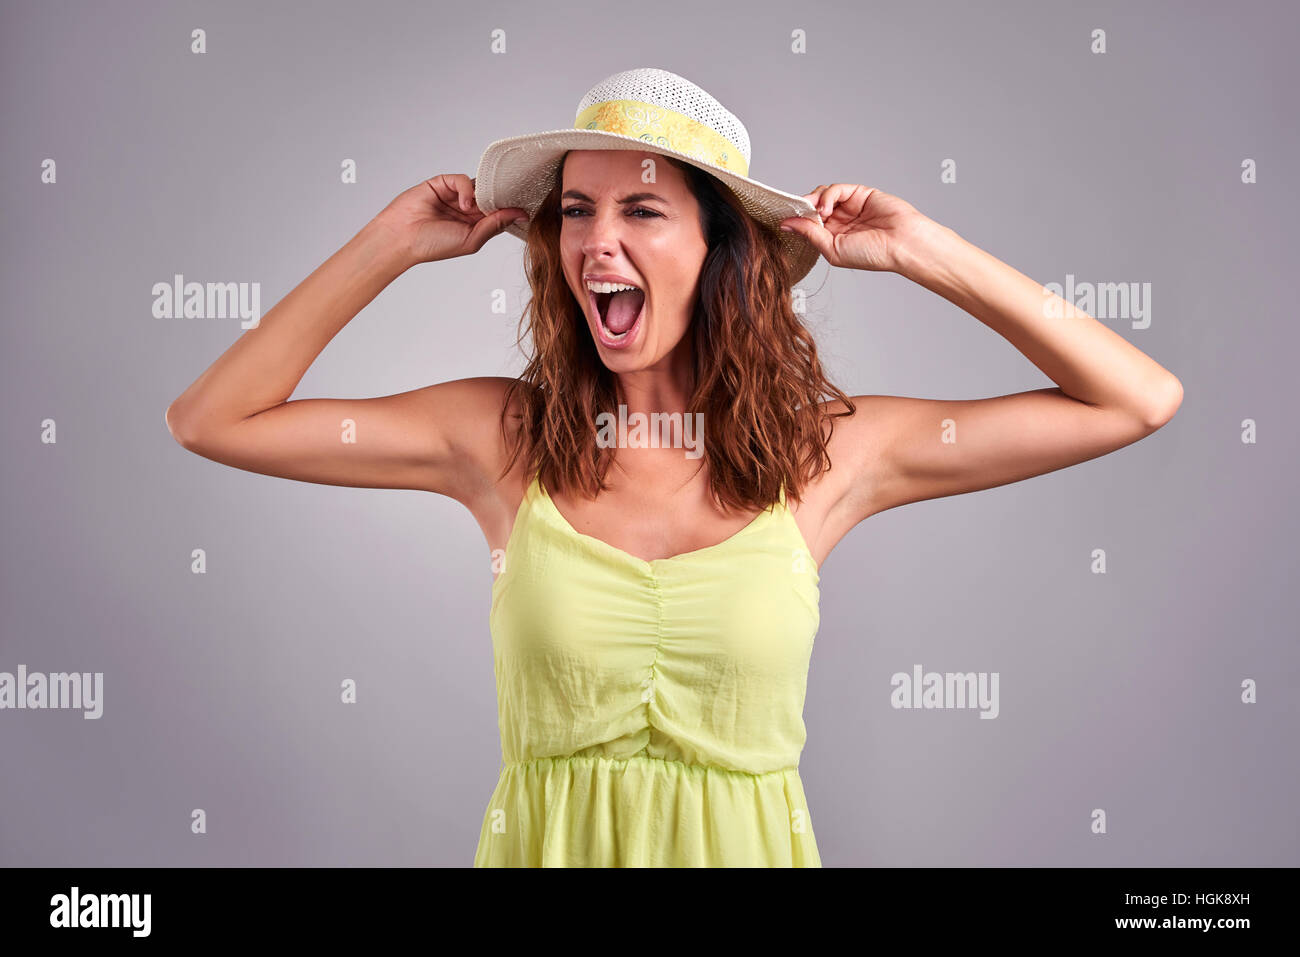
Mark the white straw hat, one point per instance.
(652, 111)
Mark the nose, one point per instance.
(603, 233)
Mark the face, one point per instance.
(647, 233)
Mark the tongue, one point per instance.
(622, 310)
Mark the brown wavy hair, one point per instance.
(758, 380)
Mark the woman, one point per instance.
(655, 602)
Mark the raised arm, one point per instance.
(442, 438)
(897, 449)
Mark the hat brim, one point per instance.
(518, 172)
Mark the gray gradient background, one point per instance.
(221, 691)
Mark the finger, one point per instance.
(466, 189)
(816, 234)
(851, 196)
(450, 188)
(832, 195)
(813, 195)
(461, 189)
(490, 225)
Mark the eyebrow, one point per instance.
(629, 198)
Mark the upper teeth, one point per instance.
(609, 286)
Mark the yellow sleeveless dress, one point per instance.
(651, 712)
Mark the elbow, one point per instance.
(1160, 413)
(180, 425)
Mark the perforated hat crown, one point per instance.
(650, 110)
(659, 107)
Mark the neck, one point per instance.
(666, 386)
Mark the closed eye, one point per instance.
(637, 209)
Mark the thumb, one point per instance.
(492, 224)
(816, 234)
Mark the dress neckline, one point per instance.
(537, 490)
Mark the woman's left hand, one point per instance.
(863, 228)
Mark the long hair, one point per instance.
(758, 381)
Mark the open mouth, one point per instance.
(619, 315)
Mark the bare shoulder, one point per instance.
(495, 495)
(839, 498)
(857, 438)
(484, 417)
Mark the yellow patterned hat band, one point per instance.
(660, 126)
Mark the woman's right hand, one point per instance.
(440, 219)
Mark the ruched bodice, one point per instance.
(651, 712)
